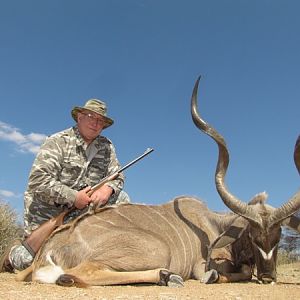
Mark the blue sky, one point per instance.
(142, 58)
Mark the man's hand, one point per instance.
(101, 195)
(82, 198)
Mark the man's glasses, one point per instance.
(91, 118)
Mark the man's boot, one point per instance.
(5, 264)
(33, 242)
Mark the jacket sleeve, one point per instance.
(44, 180)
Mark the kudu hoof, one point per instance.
(68, 280)
(170, 279)
(210, 276)
(65, 280)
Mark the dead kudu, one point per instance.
(169, 243)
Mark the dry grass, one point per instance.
(9, 228)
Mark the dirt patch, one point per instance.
(288, 287)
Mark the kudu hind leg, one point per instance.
(89, 273)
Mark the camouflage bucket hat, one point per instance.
(95, 106)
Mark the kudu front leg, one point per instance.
(212, 276)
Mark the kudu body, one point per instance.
(169, 243)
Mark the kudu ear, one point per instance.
(237, 227)
(233, 233)
(230, 235)
(292, 222)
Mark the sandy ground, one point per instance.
(288, 287)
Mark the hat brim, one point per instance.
(77, 109)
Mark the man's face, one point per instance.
(90, 125)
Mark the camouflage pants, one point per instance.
(19, 256)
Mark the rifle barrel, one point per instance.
(114, 175)
(148, 151)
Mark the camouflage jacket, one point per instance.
(61, 167)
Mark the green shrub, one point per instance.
(9, 227)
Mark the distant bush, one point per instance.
(286, 257)
(289, 246)
(9, 227)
